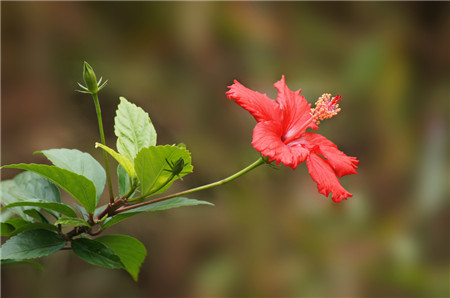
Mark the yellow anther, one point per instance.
(326, 107)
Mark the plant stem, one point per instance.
(257, 163)
(102, 139)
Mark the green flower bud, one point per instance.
(176, 168)
(89, 78)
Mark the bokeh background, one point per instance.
(270, 234)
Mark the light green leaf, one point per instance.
(130, 251)
(10, 262)
(153, 170)
(158, 206)
(37, 185)
(11, 193)
(82, 211)
(81, 188)
(58, 207)
(133, 128)
(27, 186)
(5, 215)
(32, 244)
(73, 221)
(81, 163)
(96, 253)
(123, 180)
(125, 162)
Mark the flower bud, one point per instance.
(89, 78)
(178, 166)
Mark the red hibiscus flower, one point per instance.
(280, 134)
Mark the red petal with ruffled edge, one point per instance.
(267, 140)
(339, 161)
(296, 110)
(259, 105)
(323, 174)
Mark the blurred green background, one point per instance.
(270, 233)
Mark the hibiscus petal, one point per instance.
(267, 140)
(295, 108)
(339, 161)
(322, 173)
(259, 105)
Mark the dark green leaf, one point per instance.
(33, 213)
(158, 206)
(32, 244)
(6, 229)
(81, 163)
(78, 186)
(96, 253)
(153, 169)
(58, 207)
(133, 128)
(130, 251)
(17, 222)
(34, 226)
(10, 262)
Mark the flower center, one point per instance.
(326, 107)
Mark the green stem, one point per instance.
(257, 163)
(102, 138)
(140, 198)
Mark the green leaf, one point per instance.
(10, 262)
(83, 212)
(153, 170)
(158, 206)
(6, 229)
(58, 207)
(130, 251)
(125, 162)
(73, 221)
(32, 244)
(123, 180)
(5, 215)
(28, 186)
(81, 188)
(133, 128)
(34, 226)
(96, 253)
(17, 222)
(33, 213)
(81, 163)
(11, 193)
(38, 186)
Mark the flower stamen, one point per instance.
(326, 107)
